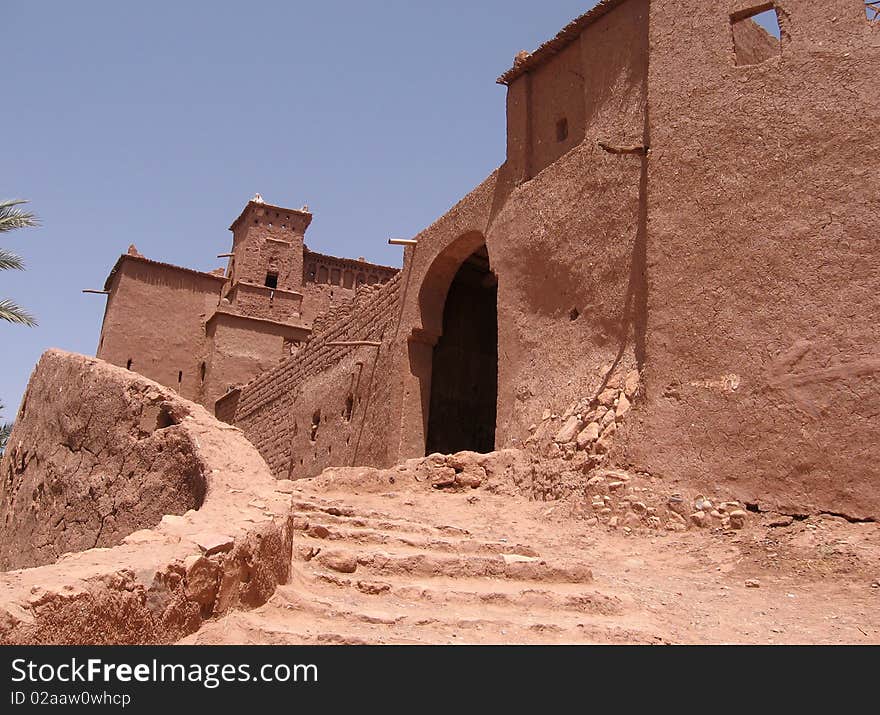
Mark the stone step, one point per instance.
(370, 536)
(278, 627)
(378, 521)
(454, 609)
(411, 562)
(293, 625)
(445, 591)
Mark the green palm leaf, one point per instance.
(12, 217)
(14, 313)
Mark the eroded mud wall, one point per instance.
(94, 456)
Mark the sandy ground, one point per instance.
(471, 567)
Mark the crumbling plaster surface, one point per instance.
(96, 454)
(762, 363)
(159, 583)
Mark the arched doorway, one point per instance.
(464, 365)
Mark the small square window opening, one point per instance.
(757, 36)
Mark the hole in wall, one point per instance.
(165, 418)
(272, 280)
(128, 364)
(316, 422)
(349, 408)
(757, 36)
(562, 129)
(202, 370)
(574, 314)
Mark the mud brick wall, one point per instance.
(323, 404)
(97, 453)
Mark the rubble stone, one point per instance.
(588, 435)
(569, 430)
(631, 384)
(338, 561)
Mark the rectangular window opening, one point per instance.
(872, 10)
(757, 36)
(272, 280)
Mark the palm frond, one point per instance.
(14, 313)
(5, 431)
(12, 217)
(9, 260)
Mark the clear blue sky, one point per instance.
(153, 124)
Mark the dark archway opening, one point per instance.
(464, 374)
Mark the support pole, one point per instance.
(99, 292)
(401, 242)
(612, 149)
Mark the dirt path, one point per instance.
(471, 567)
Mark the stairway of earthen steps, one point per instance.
(433, 568)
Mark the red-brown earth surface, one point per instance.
(403, 563)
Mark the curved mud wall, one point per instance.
(95, 455)
(133, 464)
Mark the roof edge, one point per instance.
(149, 261)
(344, 259)
(263, 204)
(562, 39)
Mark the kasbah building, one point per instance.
(652, 330)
